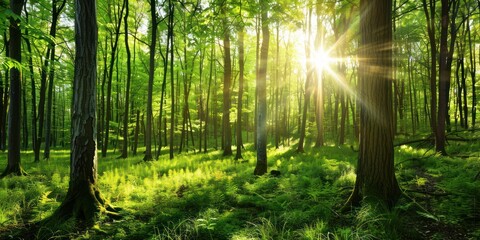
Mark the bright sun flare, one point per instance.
(322, 59)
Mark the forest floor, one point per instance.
(208, 196)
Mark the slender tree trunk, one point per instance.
(108, 111)
(137, 131)
(430, 16)
(172, 76)
(241, 64)
(33, 91)
(375, 168)
(124, 153)
(227, 83)
(24, 119)
(261, 166)
(473, 72)
(308, 88)
(151, 76)
(207, 110)
(318, 76)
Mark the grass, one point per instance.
(207, 196)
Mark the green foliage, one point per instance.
(205, 196)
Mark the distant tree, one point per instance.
(375, 168)
(261, 167)
(14, 114)
(151, 75)
(56, 11)
(114, 48)
(83, 200)
(227, 82)
(241, 63)
(127, 90)
(308, 82)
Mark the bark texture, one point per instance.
(261, 167)
(375, 171)
(83, 200)
(15, 108)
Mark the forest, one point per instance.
(235, 119)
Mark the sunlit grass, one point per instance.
(208, 196)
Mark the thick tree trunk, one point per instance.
(375, 169)
(15, 108)
(83, 200)
(261, 166)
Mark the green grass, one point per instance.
(207, 196)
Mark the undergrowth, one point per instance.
(207, 196)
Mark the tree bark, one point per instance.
(227, 83)
(261, 166)
(375, 169)
(429, 11)
(151, 76)
(241, 64)
(83, 200)
(124, 153)
(108, 110)
(15, 109)
(308, 88)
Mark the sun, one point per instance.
(323, 60)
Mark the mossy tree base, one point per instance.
(15, 170)
(84, 203)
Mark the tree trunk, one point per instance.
(207, 109)
(151, 76)
(429, 11)
(241, 64)
(261, 166)
(227, 83)
(56, 11)
(375, 168)
(108, 110)
(33, 91)
(473, 72)
(15, 109)
(308, 87)
(445, 69)
(124, 153)
(83, 200)
(137, 130)
(172, 76)
(318, 76)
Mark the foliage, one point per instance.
(204, 196)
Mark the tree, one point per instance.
(127, 90)
(148, 133)
(375, 168)
(83, 199)
(15, 109)
(308, 82)
(53, 32)
(261, 167)
(114, 47)
(241, 55)
(227, 82)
